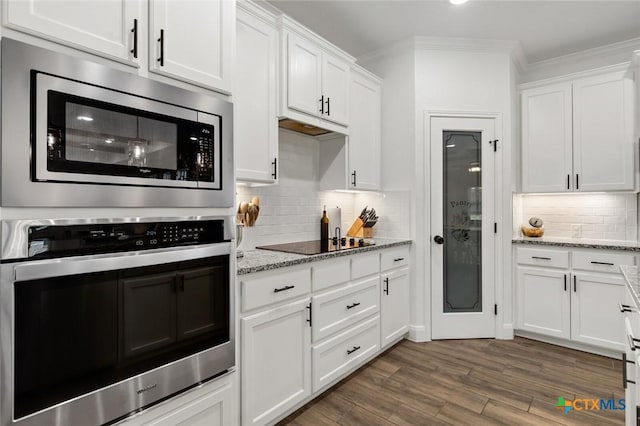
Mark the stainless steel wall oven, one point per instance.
(76, 133)
(102, 318)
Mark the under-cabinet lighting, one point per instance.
(457, 1)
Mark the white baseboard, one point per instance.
(610, 353)
(419, 333)
(506, 333)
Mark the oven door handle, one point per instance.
(39, 269)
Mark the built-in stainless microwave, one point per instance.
(77, 133)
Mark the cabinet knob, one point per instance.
(438, 239)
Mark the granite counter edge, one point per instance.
(603, 246)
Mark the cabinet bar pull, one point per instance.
(398, 259)
(565, 282)
(541, 258)
(161, 40)
(353, 305)
(310, 317)
(275, 168)
(285, 288)
(322, 105)
(134, 30)
(625, 308)
(626, 361)
(577, 181)
(574, 284)
(386, 286)
(353, 182)
(328, 105)
(632, 342)
(350, 351)
(601, 263)
(568, 181)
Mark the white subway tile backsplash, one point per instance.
(602, 216)
(291, 210)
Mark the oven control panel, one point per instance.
(73, 240)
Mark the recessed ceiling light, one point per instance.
(84, 118)
(457, 1)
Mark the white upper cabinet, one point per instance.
(304, 81)
(254, 95)
(193, 41)
(364, 130)
(546, 139)
(603, 157)
(104, 28)
(315, 79)
(335, 89)
(578, 135)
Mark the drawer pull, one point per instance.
(632, 342)
(625, 308)
(285, 288)
(541, 258)
(350, 351)
(398, 259)
(601, 263)
(353, 306)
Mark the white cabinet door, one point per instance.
(365, 119)
(212, 404)
(193, 41)
(543, 301)
(603, 156)
(595, 317)
(254, 98)
(546, 139)
(100, 27)
(276, 362)
(394, 316)
(335, 89)
(304, 75)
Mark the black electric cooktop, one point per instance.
(318, 247)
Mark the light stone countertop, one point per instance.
(578, 242)
(265, 260)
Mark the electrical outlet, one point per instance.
(576, 230)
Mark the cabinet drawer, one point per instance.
(262, 291)
(543, 257)
(365, 264)
(394, 258)
(345, 352)
(338, 309)
(328, 274)
(602, 261)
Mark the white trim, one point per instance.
(611, 353)
(600, 51)
(259, 10)
(419, 333)
(621, 67)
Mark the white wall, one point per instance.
(455, 80)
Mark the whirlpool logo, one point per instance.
(586, 404)
(147, 388)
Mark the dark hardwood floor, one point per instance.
(469, 382)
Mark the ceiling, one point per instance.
(545, 28)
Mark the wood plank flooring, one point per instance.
(469, 382)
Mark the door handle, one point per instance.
(438, 239)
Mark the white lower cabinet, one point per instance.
(594, 317)
(394, 304)
(293, 349)
(576, 299)
(343, 352)
(211, 404)
(543, 302)
(276, 367)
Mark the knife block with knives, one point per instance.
(362, 227)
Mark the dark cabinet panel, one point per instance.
(148, 313)
(201, 301)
